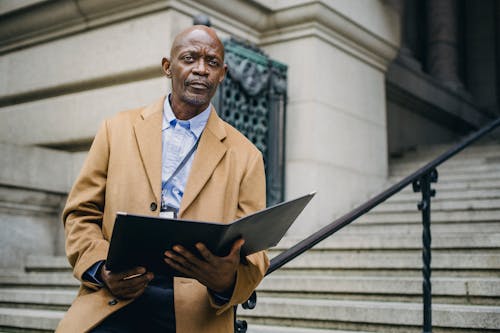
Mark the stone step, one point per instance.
(349, 251)
(455, 260)
(410, 164)
(453, 166)
(441, 205)
(459, 177)
(323, 285)
(47, 263)
(490, 172)
(465, 216)
(39, 279)
(380, 316)
(397, 241)
(347, 239)
(29, 319)
(410, 196)
(490, 154)
(281, 329)
(471, 152)
(282, 282)
(460, 185)
(437, 228)
(30, 296)
(406, 166)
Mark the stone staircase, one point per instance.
(366, 278)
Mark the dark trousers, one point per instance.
(152, 312)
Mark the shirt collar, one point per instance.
(196, 124)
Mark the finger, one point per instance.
(189, 257)
(139, 280)
(127, 292)
(205, 252)
(178, 267)
(174, 256)
(235, 250)
(132, 293)
(124, 286)
(131, 272)
(186, 272)
(138, 293)
(138, 277)
(135, 283)
(178, 259)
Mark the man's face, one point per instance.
(196, 67)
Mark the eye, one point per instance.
(213, 63)
(188, 58)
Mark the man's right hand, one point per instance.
(128, 284)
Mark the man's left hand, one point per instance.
(216, 273)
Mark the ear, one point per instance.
(165, 65)
(223, 76)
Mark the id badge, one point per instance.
(168, 211)
(168, 215)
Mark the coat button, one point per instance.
(153, 206)
(113, 302)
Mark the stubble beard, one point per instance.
(195, 100)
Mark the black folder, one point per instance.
(142, 240)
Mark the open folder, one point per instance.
(142, 240)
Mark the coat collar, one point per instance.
(148, 135)
(210, 151)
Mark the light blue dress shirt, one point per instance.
(178, 138)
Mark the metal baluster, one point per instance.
(424, 185)
(241, 326)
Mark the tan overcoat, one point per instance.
(123, 173)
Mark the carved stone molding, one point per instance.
(37, 169)
(45, 20)
(21, 201)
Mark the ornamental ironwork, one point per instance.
(252, 98)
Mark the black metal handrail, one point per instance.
(421, 180)
(341, 222)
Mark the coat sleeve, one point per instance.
(83, 213)
(252, 197)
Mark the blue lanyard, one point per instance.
(182, 164)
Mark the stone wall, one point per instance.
(67, 65)
(33, 186)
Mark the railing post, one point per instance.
(423, 185)
(241, 326)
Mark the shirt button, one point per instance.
(153, 206)
(113, 302)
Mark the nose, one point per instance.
(201, 67)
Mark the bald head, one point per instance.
(196, 32)
(196, 67)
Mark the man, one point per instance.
(175, 157)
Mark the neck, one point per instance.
(185, 111)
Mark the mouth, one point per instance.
(199, 85)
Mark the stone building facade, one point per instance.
(367, 79)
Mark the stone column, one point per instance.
(497, 61)
(336, 133)
(406, 10)
(442, 42)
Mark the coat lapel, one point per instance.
(210, 151)
(148, 135)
